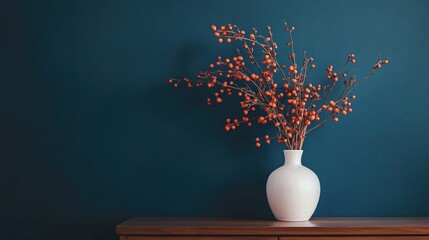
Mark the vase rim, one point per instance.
(293, 157)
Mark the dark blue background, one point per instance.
(90, 133)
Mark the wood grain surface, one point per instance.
(412, 226)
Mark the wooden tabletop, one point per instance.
(317, 226)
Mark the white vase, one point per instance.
(293, 190)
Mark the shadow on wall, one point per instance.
(168, 153)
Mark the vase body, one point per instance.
(293, 190)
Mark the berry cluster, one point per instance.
(275, 93)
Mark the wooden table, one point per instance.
(316, 229)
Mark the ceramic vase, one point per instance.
(293, 190)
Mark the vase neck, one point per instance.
(293, 157)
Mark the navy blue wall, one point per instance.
(90, 133)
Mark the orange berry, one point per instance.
(386, 61)
(214, 28)
(267, 137)
(344, 112)
(228, 40)
(268, 141)
(227, 128)
(252, 36)
(258, 144)
(353, 97)
(291, 68)
(219, 100)
(336, 119)
(211, 65)
(175, 85)
(220, 40)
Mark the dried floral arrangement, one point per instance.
(276, 93)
